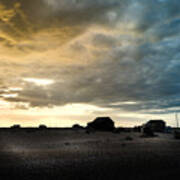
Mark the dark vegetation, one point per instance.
(77, 127)
(177, 134)
(148, 132)
(42, 126)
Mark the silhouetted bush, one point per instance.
(137, 128)
(148, 132)
(77, 127)
(66, 143)
(42, 126)
(117, 130)
(168, 129)
(16, 126)
(90, 130)
(177, 134)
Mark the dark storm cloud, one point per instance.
(152, 13)
(166, 30)
(136, 60)
(20, 20)
(151, 81)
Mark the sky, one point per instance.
(64, 62)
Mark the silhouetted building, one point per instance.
(101, 124)
(156, 125)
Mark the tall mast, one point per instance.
(177, 120)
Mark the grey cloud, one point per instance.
(30, 17)
(153, 81)
(167, 29)
(102, 40)
(148, 14)
(143, 69)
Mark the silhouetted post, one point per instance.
(177, 120)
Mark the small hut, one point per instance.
(156, 125)
(102, 124)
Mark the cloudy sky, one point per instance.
(68, 61)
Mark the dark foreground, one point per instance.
(68, 154)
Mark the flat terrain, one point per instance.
(72, 154)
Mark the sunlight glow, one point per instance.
(39, 82)
(123, 103)
(9, 95)
(15, 89)
(4, 104)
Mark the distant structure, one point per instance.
(102, 124)
(156, 125)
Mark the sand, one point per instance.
(73, 154)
